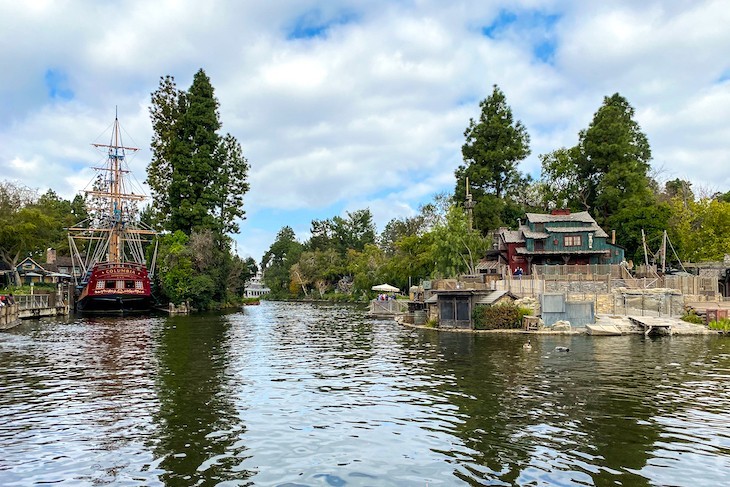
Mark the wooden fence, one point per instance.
(574, 270)
(38, 305)
(34, 301)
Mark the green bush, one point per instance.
(431, 324)
(692, 317)
(721, 325)
(499, 317)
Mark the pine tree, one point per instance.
(198, 180)
(167, 105)
(495, 144)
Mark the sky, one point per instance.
(345, 105)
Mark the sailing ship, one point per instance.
(109, 247)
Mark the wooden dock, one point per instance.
(9, 317)
(387, 309)
(651, 324)
(29, 306)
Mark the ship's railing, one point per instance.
(108, 265)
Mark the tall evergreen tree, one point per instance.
(232, 176)
(613, 160)
(198, 180)
(168, 103)
(197, 177)
(194, 167)
(495, 144)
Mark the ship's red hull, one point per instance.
(116, 288)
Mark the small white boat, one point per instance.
(603, 330)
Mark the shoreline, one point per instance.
(678, 327)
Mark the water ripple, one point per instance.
(305, 395)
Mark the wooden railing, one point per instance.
(587, 271)
(388, 307)
(32, 301)
(38, 305)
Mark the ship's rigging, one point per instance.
(113, 232)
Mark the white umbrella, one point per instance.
(386, 288)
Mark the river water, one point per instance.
(310, 395)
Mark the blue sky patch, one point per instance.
(503, 20)
(539, 26)
(545, 51)
(468, 100)
(57, 85)
(724, 76)
(313, 24)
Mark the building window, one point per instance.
(572, 241)
(128, 284)
(110, 284)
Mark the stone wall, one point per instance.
(648, 302)
(588, 287)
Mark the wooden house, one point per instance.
(31, 271)
(561, 238)
(55, 269)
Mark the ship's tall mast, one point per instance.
(113, 232)
(116, 156)
(115, 193)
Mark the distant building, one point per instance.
(255, 288)
(561, 238)
(56, 269)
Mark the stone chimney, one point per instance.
(50, 256)
(613, 237)
(560, 211)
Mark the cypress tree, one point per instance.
(197, 177)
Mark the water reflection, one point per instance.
(198, 426)
(593, 416)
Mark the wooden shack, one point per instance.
(453, 308)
